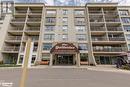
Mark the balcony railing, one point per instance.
(33, 29)
(111, 12)
(97, 28)
(97, 20)
(34, 20)
(111, 49)
(99, 39)
(112, 20)
(116, 38)
(32, 38)
(114, 28)
(35, 12)
(20, 12)
(95, 12)
(19, 29)
(11, 48)
(14, 38)
(18, 20)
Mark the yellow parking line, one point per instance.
(25, 65)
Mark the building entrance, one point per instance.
(63, 59)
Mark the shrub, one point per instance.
(126, 67)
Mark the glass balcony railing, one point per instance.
(33, 29)
(112, 20)
(17, 29)
(95, 12)
(97, 28)
(114, 28)
(14, 38)
(34, 20)
(111, 49)
(32, 38)
(99, 39)
(116, 39)
(18, 20)
(11, 48)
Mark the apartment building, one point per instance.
(96, 33)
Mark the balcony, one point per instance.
(14, 49)
(20, 12)
(107, 49)
(14, 38)
(116, 39)
(34, 20)
(95, 12)
(97, 28)
(35, 12)
(114, 28)
(112, 20)
(111, 13)
(99, 39)
(18, 20)
(33, 38)
(33, 29)
(96, 20)
(16, 29)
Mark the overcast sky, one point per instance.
(124, 2)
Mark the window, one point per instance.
(65, 20)
(129, 47)
(6, 6)
(33, 59)
(80, 28)
(51, 12)
(79, 20)
(65, 12)
(50, 20)
(128, 37)
(65, 28)
(125, 20)
(127, 28)
(65, 37)
(45, 57)
(82, 46)
(47, 46)
(49, 36)
(123, 12)
(49, 28)
(21, 59)
(81, 37)
(79, 12)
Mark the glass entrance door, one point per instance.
(64, 60)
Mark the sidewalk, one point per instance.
(107, 68)
(104, 68)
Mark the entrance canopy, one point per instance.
(64, 48)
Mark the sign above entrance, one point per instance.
(64, 48)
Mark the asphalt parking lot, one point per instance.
(59, 77)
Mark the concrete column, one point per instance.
(51, 60)
(74, 58)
